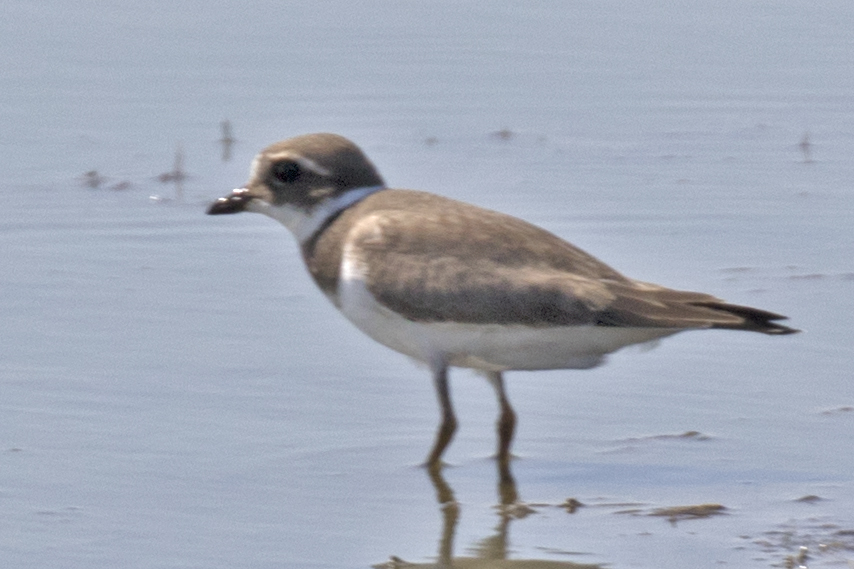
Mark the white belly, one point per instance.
(491, 347)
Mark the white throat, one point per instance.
(305, 223)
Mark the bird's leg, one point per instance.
(506, 420)
(449, 420)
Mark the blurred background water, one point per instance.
(174, 392)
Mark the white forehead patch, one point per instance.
(253, 169)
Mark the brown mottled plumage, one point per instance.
(452, 284)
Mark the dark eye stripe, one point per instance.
(286, 171)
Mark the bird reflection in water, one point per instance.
(491, 552)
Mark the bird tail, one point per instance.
(751, 319)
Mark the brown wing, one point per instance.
(435, 259)
(644, 304)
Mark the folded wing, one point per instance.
(478, 266)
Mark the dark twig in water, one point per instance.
(806, 148)
(503, 134)
(92, 179)
(176, 175)
(676, 513)
(227, 140)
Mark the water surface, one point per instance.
(176, 393)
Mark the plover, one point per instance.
(454, 285)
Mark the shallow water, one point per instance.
(176, 393)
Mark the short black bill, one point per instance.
(233, 203)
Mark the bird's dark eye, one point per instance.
(286, 171)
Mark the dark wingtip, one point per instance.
(765, 322)
(778, 329)
(233, 203)
(753, 319)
